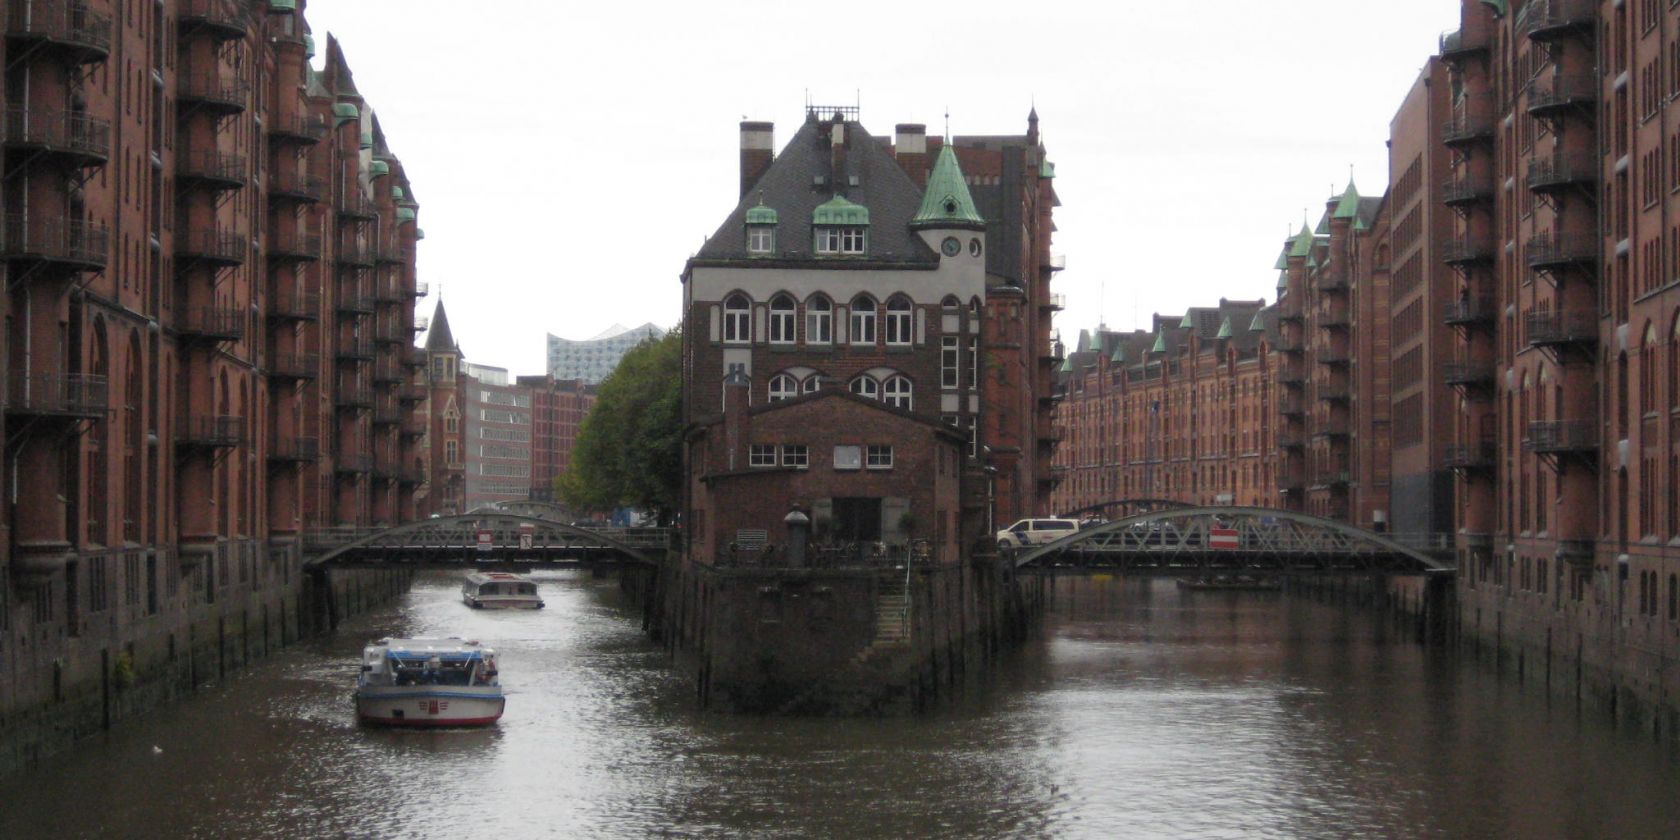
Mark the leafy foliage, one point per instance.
(629, 450)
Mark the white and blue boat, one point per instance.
(429, 682)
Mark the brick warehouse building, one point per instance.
(209, 261)
(1569, 457)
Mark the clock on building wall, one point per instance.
(951, 246)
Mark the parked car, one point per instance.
(1030, 532)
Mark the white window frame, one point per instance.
(866, 386)
(737, 319)
(796, 455)
(898, 322)
(898, 392)
(783, 387)
(761, 455)
(783, 320)
(828, 240)
(812, 384)
(761, 239)
(854, 240)
(878, 456)
(819, 320)
(950, 362)
(863, 320)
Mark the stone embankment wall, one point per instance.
(120, 669)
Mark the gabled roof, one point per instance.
(1348, 207)
(1302, 246)
(947, 202)
(802, 178)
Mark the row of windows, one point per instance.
(504, 398)
(895, 323)
(490, 415)
(875, 456)
(826, 239)
(893, 389)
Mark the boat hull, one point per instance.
(503, 603)
(409, 706)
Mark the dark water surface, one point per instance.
(1142, 712)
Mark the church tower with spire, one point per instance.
(443, 450)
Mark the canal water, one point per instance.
(1142, 711)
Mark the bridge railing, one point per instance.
(836, 555)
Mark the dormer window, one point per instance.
(761, 230)
(840, 228)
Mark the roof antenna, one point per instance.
(947, 125)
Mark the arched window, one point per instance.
(819, 320)
(897, 392)
(1674, 362)
(737, 318)
(783, 386)
(950, 302)
(781, 320)
(898, 322)
(812, 383)
(863, 320)
(1622, 401)
(1648, 373)
(865, 386)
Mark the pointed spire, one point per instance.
(947, 202)
(1303, 243)
(1225, 328)
(1348, 207)
(438, 336)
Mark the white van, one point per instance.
(1030, 532)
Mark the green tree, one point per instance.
(629, 450)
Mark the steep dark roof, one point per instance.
(438, 336)
(790, 187)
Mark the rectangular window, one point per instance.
(852, 240)
(828, 240)
(863, 325)
(973, 363)
(880, 456)
(758, 240)
(795, 455)
(948, 361)
(762, 455)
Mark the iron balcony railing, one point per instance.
(386, 412)
(353, 462)
(1548, 95)
(38, 236)
(1544, 20)
(422, 322)
(218, 431)
(355, 206)
(1467, 189)
(294, 246)
(215, 91)
(1291, 404)
(291, 185)
(353, 396)
(1332, 356)
(1459, 44)
(1291, 375)
(386, 370)
(352, 301)
(1334, 317)
(302, 366)
(1333, 281)
(389, 255)
(1549, 250)
(69, 394)
(421, 288)
(1550, 173)
(59, 132)
(223, 247)
(1464, 250)
(1471, 373)
(1332, 391)
(1574, 326)
(1472, 120)
(1479, 455)
(294, 448)
(1465, 311)
(213, 168)
(410, 392)
(216, 323)
(69, 23)
(1561, 436)
(416, 358)
(411, 475)
(413, 426)
(225, 19)
(355, 351)
(306, 129)
(350, 253)
(295, 305)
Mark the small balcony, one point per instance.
(415, 359)
(422, 323)
(1291, 440)
(1056, 302)
(1291, 375)
(1469, 124)
(294, 247)
(386, 371)
(421, 288)
(1459, 45)
(1557, 329)
(1331, 476)
(352, 301)
(1467, 251)
(294, 367)
(293, 187)
(386, 412)
(1334, 318)
(353, 463)
(1480, 456)
(413, 427)
(354, 351)
(1466, 312)
(76, 395)
(410, 392)
(294, 449)
(224, 20)
(1549, 252)
(211, 169)
(1562, 437)
(353, 396)
(1291, 481)
(353, 254)
(214, 92)
(1333, 356)
(210, 245)
(354, 206)
(38, 237)
(1562, 95)
(1332, 426)
(390, 332)
(411, 475)
(1333, 391)
(219, 431)
(389, 291)
(1558, 173)
(1472, 374)
(389, 255)
(1467, 190)
(71, 27)
(77, 139)
(1291, 405)
(1289, 314)
(211, 323)
(298, 130)
(1551, 20)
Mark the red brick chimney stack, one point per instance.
(910, 148)
(758, 146)
(837, 147)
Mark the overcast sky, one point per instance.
(569, 158)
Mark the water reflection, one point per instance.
(1143, 711)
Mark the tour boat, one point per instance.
(429, 682)
(500, 591)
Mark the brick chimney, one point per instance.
(737, 394)
(758, 146)
(837, 150)
(910, 148)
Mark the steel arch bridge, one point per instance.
(533, 509)
(1128, 507)
(1214, 541)
(490, 537)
